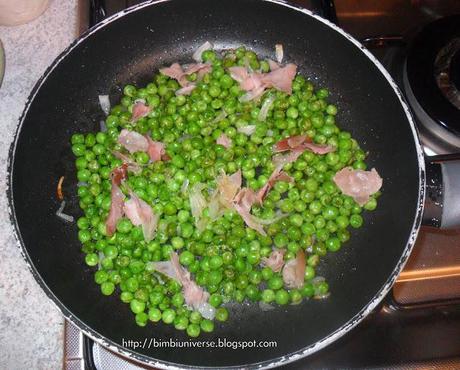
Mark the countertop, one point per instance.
(31, 327)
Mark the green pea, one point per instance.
(193, 330)
(137, 306)
(356, 221)
(282, 297)
(222, 314)
(107, 288)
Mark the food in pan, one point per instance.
(226, 179)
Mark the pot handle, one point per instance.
(442, 202)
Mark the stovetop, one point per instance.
(418, 323)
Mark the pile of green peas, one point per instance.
(225, 258)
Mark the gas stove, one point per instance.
(418, 324)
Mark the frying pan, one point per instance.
(129, 48)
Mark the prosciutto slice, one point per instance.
(275, 261)
(155, 149)
(222, 198)
(194, 295)
(255, 83)
(273, 65)
(242, 204)
(116, 208)
(176, 72)
(281, 78)
(301, 143)
(119, 174)
(224, 140)
(131, 165)
(141, 214)
(187, 90)
(277, 175)
(140, 109)
(358, 184)
(294, 271)
(133, 141)
(283, 159)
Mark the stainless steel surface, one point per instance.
(443, 72)
(73, 348)
(106, 360)
(432, 273)
(433, 136)
(364, 18)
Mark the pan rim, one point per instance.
(282, 360)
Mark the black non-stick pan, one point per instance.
(129, 48)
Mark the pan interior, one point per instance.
(130, 50)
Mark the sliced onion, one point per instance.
(322, 296)
(198, 52)
(269, 221)
(198, 204)
(164, 267)
(102, 126)
(101, 257)
(220, 116)
(267, 104)
(184, 186)
(184, 137)
(247, 130)
(104, 102)
(82, 183)
(279, 52)
(265, 306)
(317, 280)
(252, 95)
(206, 310)
(62, 215)
(270, 133)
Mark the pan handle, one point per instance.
(442, 202)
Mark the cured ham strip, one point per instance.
(187, 90)
(255, 83)
(277, 175)
(301, 143)
(155, 149)
(131, 165)
(275, 261)
(242, 204)
(140, 109)
(176, 72)
(358, 184)
(119, 174)
(194, 295)
(141, 214)
(294, 271)
(133, 141)
(116, 208)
